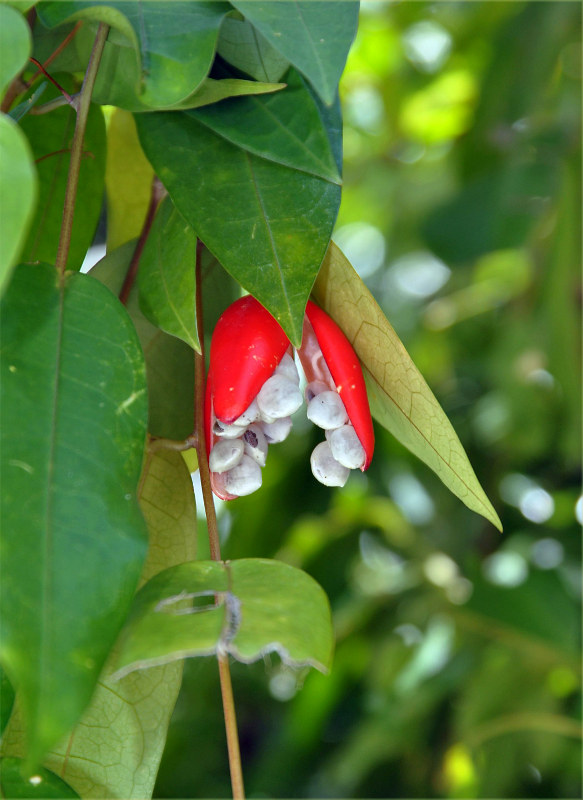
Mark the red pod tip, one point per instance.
(346, 373)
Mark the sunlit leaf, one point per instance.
(212, 91)
(19, 192)
(15, 45)
(399, 397)
(262, 606)
(314, 37)
(73, 431)
(167, 279)
(128, 180)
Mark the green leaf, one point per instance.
(116, 748)
(169, 361)
(6, 700)
(73, 429)
(128, 180)
(267, 224)
(17, 199)
(158, 53)
(167, 277)
(212, 91)
(246, 49)
(15, 45)
(285, 127)
(399, 397)
(314, 37)
(50, 138)
(43, 784)
(262, 606)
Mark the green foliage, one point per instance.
(455, 214)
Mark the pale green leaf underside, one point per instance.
(399, 396)
(261, 606)
(15, 45)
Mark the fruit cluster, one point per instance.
(253, 389)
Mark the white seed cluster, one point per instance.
(332, 460)
(241, 449)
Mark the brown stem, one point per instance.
(65, 94)
(233, 748)
(84, 103)
(156, 196)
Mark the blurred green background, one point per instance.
(457, 670)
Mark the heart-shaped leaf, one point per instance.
(246, 49)
(250, 607)
(399, 397)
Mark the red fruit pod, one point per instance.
(246, 347)
(327, 355)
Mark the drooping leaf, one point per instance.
(285, 127)
(267, 224)
(158, 53)
(314, 37)
(73, 429)
(50, 138)
(43, 784)
(399, 397)
(116, 748)
(262, 606)
(167, 277)
(17, 199)
(212, 91)
(169, 361)
(128, 180)
(15, 45)
(245, 48)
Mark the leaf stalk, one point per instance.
(83, 105)
(214, 544)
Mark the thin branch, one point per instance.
(233, 748)
(84, 103)
(65, 94)
(156, 196)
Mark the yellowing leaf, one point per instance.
(399, 397)
(128, 180)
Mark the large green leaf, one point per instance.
(167, 277)
(285, 127)
(399, 397)
(246, 49)
(169, 361)
(15, 45)
(158, 52)
(116, 748)
(18, 195)
(73, 538)
(268, 225)
(314, 36)
(44, 785)
(260, 606)
(50, 138)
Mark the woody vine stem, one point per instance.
(215, 550)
